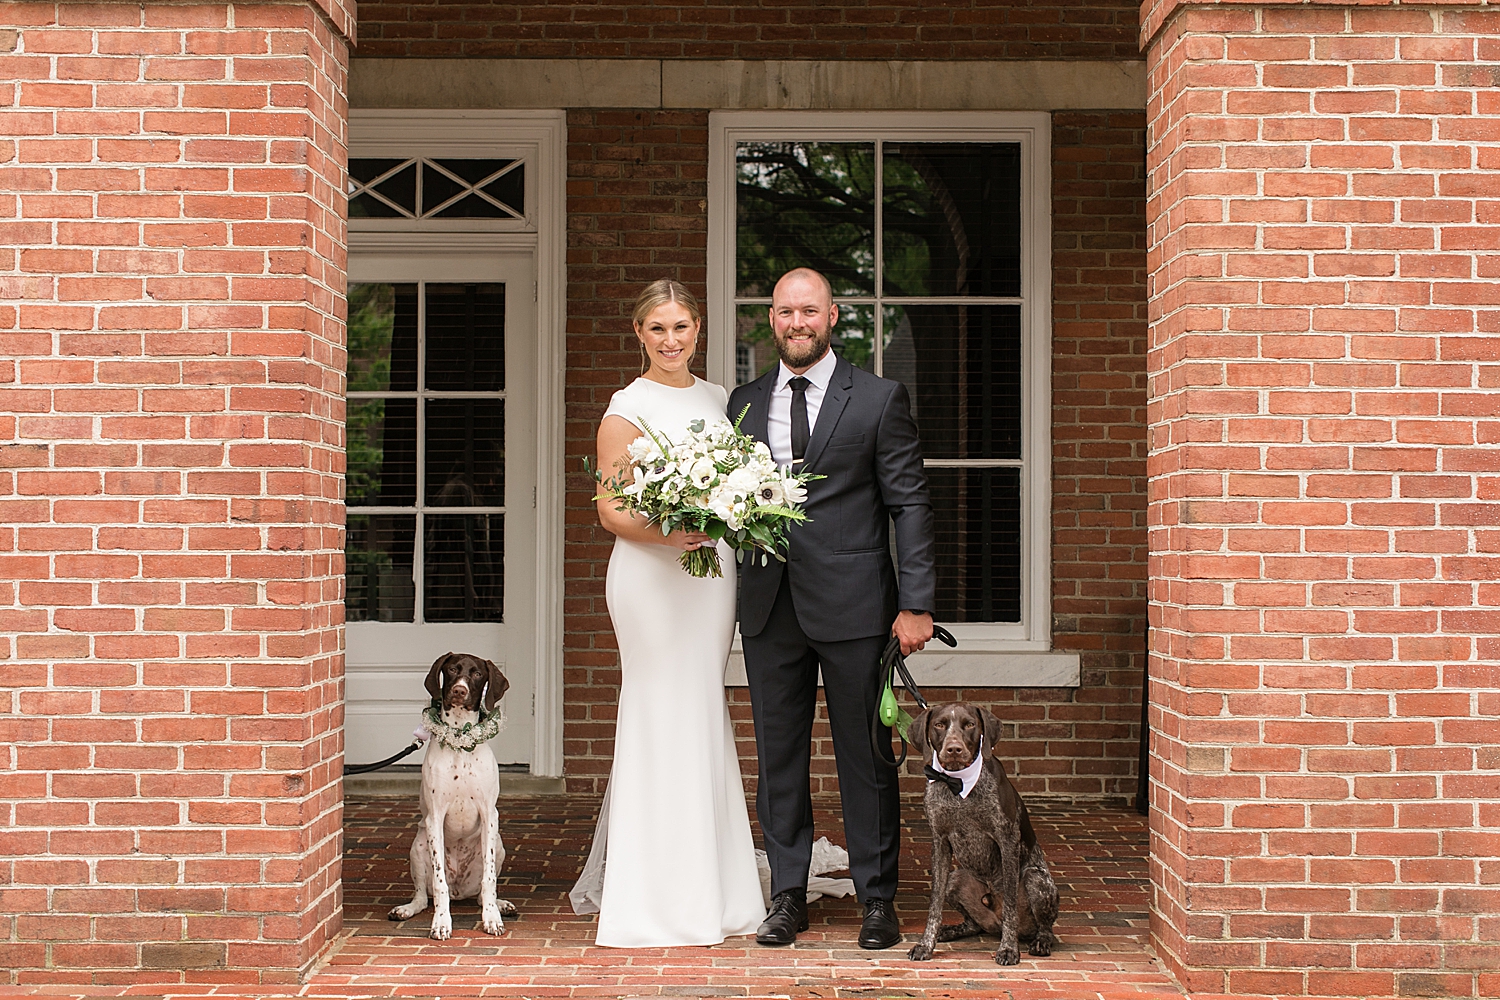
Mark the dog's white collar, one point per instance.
(969, 775)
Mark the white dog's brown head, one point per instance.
(464, 681)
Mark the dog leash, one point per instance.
(366, 768)
(889, 713)
(416, 744)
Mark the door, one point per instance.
(441, 487)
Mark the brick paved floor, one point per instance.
(1097, 857)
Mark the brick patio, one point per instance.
(1097, 855)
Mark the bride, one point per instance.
(673, 862)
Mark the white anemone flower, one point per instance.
(660, 469)
(768, 493)
(702, 473)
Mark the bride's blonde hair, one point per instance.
(657, 294)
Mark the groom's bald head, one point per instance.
(801, 274)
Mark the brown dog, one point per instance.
(457, 852)
(1002, 884)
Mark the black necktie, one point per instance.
(800, 430)
(933, 774)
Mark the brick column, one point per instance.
(1323, 364)
(171, 428)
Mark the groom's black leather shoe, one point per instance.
(880, 929)
(788, 916)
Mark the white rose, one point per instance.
(639, 449)
(743, 481)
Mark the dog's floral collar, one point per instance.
(465, 738)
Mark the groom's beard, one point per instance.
(803, 355)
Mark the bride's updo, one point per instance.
(654, 296)
(659, 293)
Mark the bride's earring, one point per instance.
(645, 360)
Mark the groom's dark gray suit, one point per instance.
(831, 604)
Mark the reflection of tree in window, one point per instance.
(806, 204)
(947, 300)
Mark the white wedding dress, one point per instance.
(673, 862)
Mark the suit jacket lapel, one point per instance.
(834, 401)
(757, 421)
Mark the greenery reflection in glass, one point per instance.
(806, 204)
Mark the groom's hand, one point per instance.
(913, 629)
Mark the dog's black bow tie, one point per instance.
(933, 774)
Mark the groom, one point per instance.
(834, 603)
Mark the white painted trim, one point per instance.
(952, 668)
(1033, 130)
(540, 137)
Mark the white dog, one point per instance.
(457, 852)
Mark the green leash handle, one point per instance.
(889, 712)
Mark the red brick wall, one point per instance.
(637, 211)
(1087, 742)
(637, 181)
(1323, 367)
(757, 29)
(171, 265)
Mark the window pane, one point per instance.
(466, 452)
(382, 337)
(510, 189)
(952, 218)
(466, 337)
(854, 336)
(755, 350)
(378, 583)
(364, 169)
(472, 207)
(463, 568)
(977, 531)
(962, 365)
(382, 462)
(805, 204)
(401, 188)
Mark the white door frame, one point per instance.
(541, 137)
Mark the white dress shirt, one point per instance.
(779, 416)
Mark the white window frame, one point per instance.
(539, 138)
(1001, 654)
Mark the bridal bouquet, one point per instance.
(717, 481)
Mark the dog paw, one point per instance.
(492, 924)
(920, 952)
(507, 908)
(442, 929)
(1007, 955)
(404, 912)
(1044, 943)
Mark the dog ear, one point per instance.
(496, 688)
(991, 729)
(434, 682)
(916, 734)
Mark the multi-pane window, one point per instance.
(426, 467)
(923, 243)
(436, 188)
